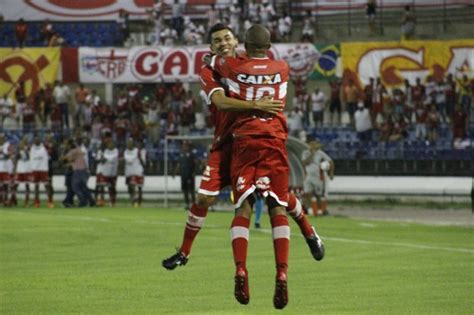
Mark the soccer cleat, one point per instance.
(178, 259)
(50, 205)
(316, 245)
(36, 204)
(280, 299)
(241, 290)
(135, 205)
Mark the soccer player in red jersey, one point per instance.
(259, 156)
(217, 173)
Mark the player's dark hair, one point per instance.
(216, 28)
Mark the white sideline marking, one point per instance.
(409, 245)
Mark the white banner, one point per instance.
(153, 64)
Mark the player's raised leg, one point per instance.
(295, 210)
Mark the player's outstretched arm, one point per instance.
(265, 104)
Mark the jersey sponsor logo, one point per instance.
(259, 79)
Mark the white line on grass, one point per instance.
(409, 245)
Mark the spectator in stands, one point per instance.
(399, 130)
(351, 97)
(6, 105)
(212, 16)
(309, 25)
(397, 104)
(335, 101)
(168, 36)
(460, 123)
(177, 11)
(408, 23)
(430, 90)
(46, 31)
(363, 123)
(295, 121)
(371, 8)
(186, 113)
(21, 32)
(432, 123)
(56, 119)
(192, 34)
(186, 167)
(80, 97)
(284, 27)
(440, 98)
(62, 95)
(123, 23)
(450, 95)
(28, 116)
(122, 126)
(465, 93)
(407, 96)
(318, 106)
(385, 129)
(234, 17)
(253, 12)
(177, 96)
(48, 98)
(369, 93)
(421, 116)
(302, 102)
(267, 12)
(152, 123)
(380, 96)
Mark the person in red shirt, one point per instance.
(460, 122)
(21, 32)
(216, 175)
(259, 157)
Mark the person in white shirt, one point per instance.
(22, 171)
(135, 159)
(363, 123)
(39, 167)
(295, 121)
(318, 104)
(110, 161)
(62, 95)
(284, 27)
(441, 89)
(100, 180)
(319, 168)
(6, 153)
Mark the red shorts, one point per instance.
(216, 175)
(135, 180)
(261, 164)
(40, 177)
(5, 178)
(110, 181)
(23, 177)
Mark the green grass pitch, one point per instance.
(108, 261)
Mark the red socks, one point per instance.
(239, 233)
(196, 217)
(281, 241)
(295, 210)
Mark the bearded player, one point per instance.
(217, 173)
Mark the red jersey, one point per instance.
(222, 120)
(251, 79)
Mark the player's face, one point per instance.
(223, 43)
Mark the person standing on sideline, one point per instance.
(408, 23)
(186, 167)
(77, 159)
(39, 158)
(22, 173)
(134, 168)
(6, 154)
(318, 168)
